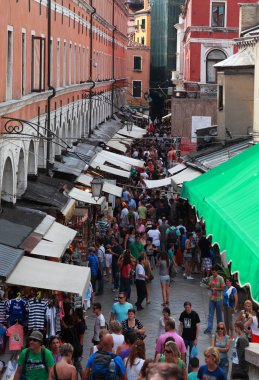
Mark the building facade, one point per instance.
(138, 57)
(65, 59)
(206, 31)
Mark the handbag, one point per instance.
(10, 370)
(194, 352)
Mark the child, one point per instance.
(194, 364)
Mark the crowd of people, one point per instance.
(150, 233)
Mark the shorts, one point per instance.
(108, 260)
(165, 278)
(187, 256)
(206, 263)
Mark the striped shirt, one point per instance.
(103, 226)
(37, 314)
(3, 311)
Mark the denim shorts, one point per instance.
(165, 278)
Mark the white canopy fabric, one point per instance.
(50, 275)
(101, 158)
(166, 116)
(84, 196)
(70, 204)
(59, 233)
(186, 175)
(176, 169)
(120, 157)
(110, 170)
(50, 249)
(122, 139)
(136, 132)
(117, 146)
(109, 188)
(153, 184)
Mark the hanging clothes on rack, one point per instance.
(37, 313)
(17, 310)
(16, 335)
(3, 311)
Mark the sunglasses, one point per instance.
(121, 298)
(220, 328)
(168, 351)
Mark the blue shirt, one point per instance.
(119, 366)
(120, 310)
(193, 376)
(205, 374)
(93, 264)
(229, 301)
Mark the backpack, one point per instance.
(172, 236)
(101, 366)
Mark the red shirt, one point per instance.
(125, 270)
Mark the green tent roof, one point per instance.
(227, 198)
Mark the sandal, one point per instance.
(148, 302)
(163, 304)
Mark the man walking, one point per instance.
(99, 322)
(120, 308)
(36, 361)
(170, 332)
(189, 327)
(239, 364)
(216, 287)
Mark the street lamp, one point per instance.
(97, 186)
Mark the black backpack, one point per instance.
(101, 366)
(172, 236)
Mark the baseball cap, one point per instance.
(37, 335)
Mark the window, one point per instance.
(143, 24)
(70, 64)
(218, 14)
(23, 63)
(65, 64)
(213, 57)
(51, 61)
(220, 99)
(9, 66)
(142, 40)
(136, 88)
(75, 62)
(58, 63)
(38, 64)
(137, 64)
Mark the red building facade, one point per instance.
(86, 77)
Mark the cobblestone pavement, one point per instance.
(181, 290)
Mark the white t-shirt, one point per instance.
(99, 322)
(140, 271)
(254, 326)
(124, 219)
(118, 339)
(155, 235)
(133, 372)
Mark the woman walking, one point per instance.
(221, 341)
(64, 368)
(187, 255)
(135, 360)
(125, 267)
(172, 355)
(230, 301)
(163, 265)
(149, 274)
(141, 282)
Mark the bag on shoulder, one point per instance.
(101, 366)
(10, 370)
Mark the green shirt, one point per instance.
(193, 376)
(35, 369)
(136, 249)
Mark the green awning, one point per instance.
(227, 198)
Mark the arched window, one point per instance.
(213, 57)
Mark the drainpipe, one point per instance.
(113, 55)
(91, 69)
(50, 87)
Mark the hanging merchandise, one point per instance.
(2, 334)
(3, 311)
(37, 308)
(16, 335)
(10, 370)
(17, 310)
(51, 320)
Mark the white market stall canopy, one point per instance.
(126, 159)
(122, 139)
(50, 249)
(177, 168)
(117, 146)
(84, 196)
(86, 179)
(166, 116)
(136, 133)
(153, 184)
(186, 175)
(101, 158)
(50, 275)
(111, 170)
(59, 233)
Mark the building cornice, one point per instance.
(208, 29)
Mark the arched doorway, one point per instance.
(21, 176)
(7, 191)
(41, 155)
(213, 57)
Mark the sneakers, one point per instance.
(207, 331)
(189, 278)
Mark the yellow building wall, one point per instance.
(140, 33)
